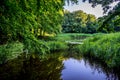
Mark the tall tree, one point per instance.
(106, 6)
(78, 21)
(111, 16)
(21, 20)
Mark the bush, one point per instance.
(34, 45)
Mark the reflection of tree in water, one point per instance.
(32, 69)
(48, 68)
(96, 65)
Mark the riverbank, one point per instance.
(100, 49)
(104, 47)
(11, 50)
(56, 66)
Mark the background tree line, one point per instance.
(79, 22)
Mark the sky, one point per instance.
(86, 7)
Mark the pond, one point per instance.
(56, 66)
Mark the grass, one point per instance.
(59, 41)
(10, 51)
(57, 45)
(104, 47)
(71, 36)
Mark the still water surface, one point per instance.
(57, 66)
(80, 70)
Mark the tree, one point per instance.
(111, 18)
(78, 22)
(21, 20)
(106, 6)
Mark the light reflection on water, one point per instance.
(81, 70)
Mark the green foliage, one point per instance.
(59, 42)
(57, 45)
(35, 46)
(19, 17)
(23, 20)
(105, 3)
(110, 23)
(10, 51)
(79, 22)
(105, 47)
(71, 36)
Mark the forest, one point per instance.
(33, 29)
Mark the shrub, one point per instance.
(34, 45)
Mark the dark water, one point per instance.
(57, 66)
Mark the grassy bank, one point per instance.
(10, 51)
(40, 47)
(58, 43)
(105, 47)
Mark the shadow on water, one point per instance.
(87, 68)
(56, 66)
(32, 69)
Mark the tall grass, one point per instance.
(105, 47)
(10, 50)
(57, 45)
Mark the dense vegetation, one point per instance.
(105, 47)
(26, 21)
(22, 18)
(24, 24)
(79, 22)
